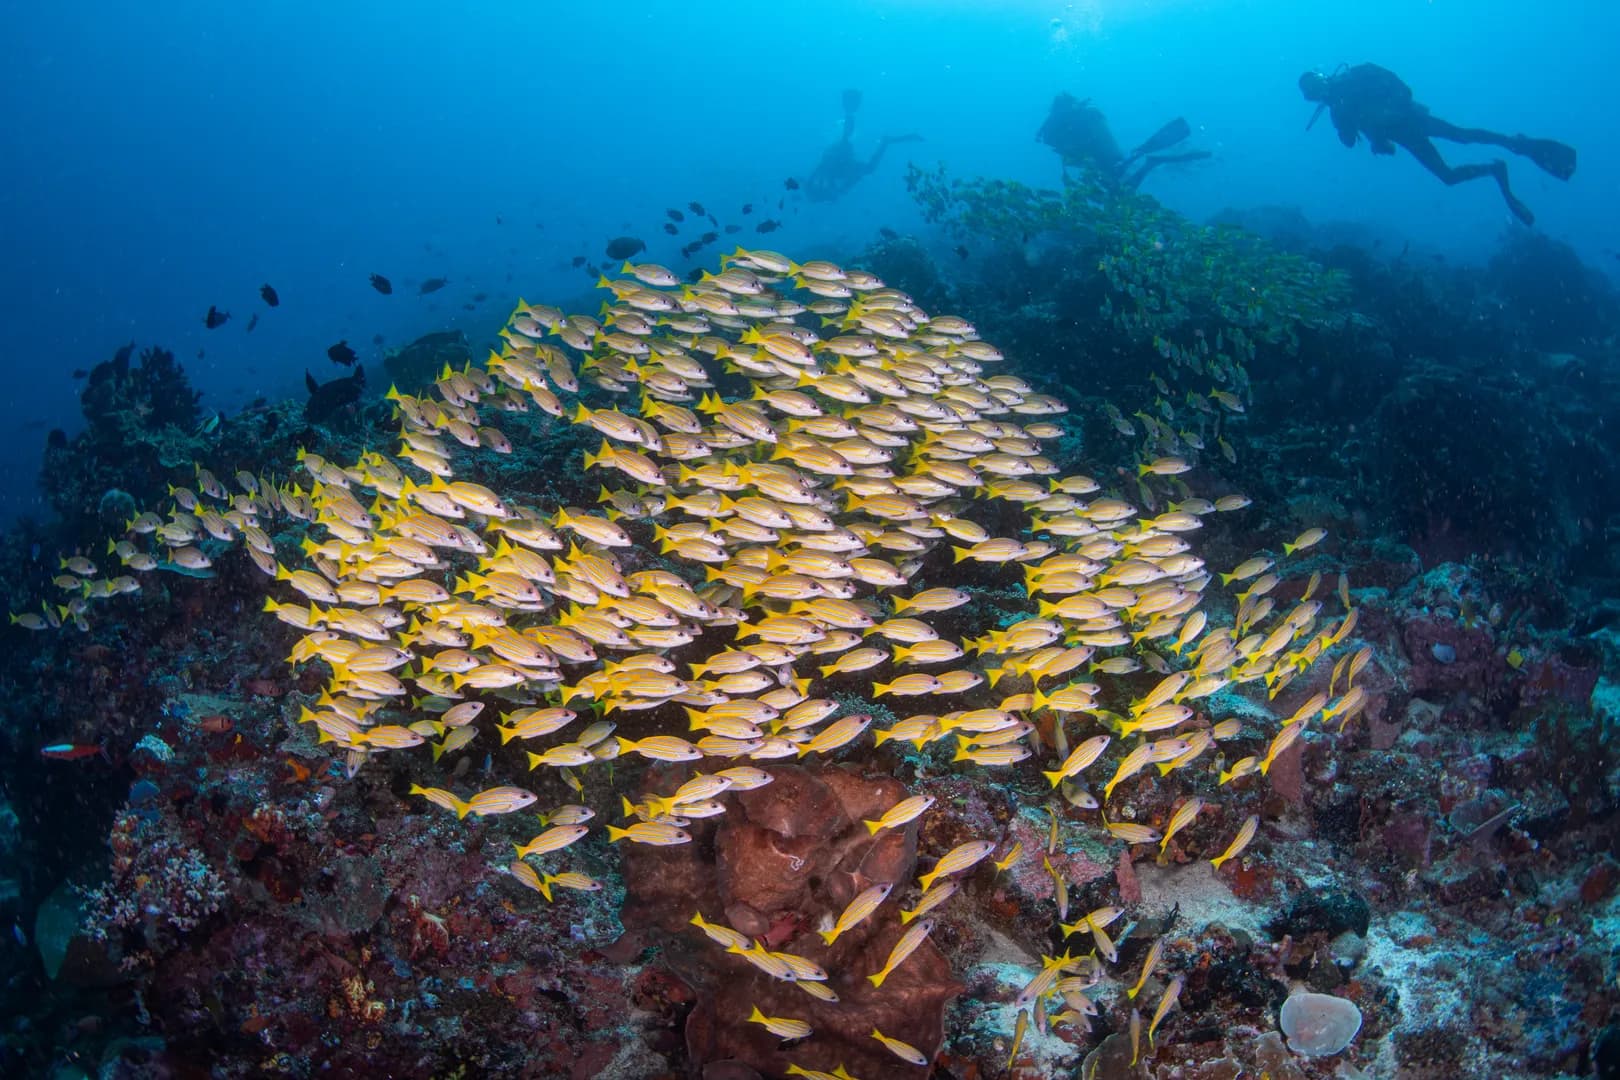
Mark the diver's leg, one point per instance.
(1436, 128)
(1451, 175)
(884, 144)
(1133, 180)
(1551, 156)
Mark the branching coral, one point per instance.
(161, 887)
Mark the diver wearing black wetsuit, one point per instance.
(839, 168)
(1373, 101)
(1079, 132)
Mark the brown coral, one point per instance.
(784, 859)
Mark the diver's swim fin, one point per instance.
(1172, 133)
(1551, 156)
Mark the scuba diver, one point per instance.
(839, 168)
(1078, 131)
(1373, 101)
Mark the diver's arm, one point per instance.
(1345, 125)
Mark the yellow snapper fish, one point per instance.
(902, 1050)
(857, 910)
(783, 1027)
(1077, 761)
(958, 859)
(907, 944)
(900, 813)
(1245, 834)
(930, 900)
(817, 507)
(553, 839)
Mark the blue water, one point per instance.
(164, 157)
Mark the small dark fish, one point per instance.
(499, 220)
(480, 297)
(469, 307)
(253, 320)
(686, 252)
(201, 353)
(671, 229)
(713, 222)
(708, 238)
(342, 354)
(80, 373)
(216, 318)
(675, 215)
(592, 269)
(769, 225)
(791, 184)
(382, 284)
(269, 295)
(731, 229)
(781, 203)
(696, 273)
(432, 285)
(888, 233)
(748, 208)
(961, 252)
(622, 247)
(697, 208)
(376, 339)
(577, 261)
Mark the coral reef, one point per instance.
(1561, 304)
(141, 422)
(415, 367)
(1435, 856)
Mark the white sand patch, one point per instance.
(1202, 895)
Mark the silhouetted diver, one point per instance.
(839, 168)
(1079, 132)
(1373, 101)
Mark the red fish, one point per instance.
(69, 751)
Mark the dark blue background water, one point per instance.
(160, 158)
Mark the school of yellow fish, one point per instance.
(796, 443)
